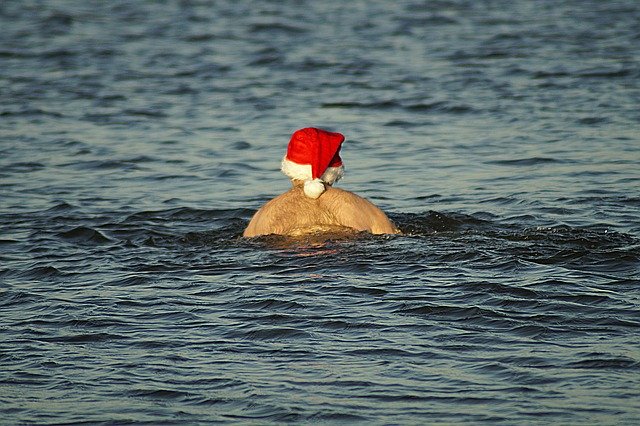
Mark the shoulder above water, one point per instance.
(292, 213)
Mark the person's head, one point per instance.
(313, 157)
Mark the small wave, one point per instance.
(575, 248)
(241, 145)
(11, 298)
(442, 106)
(17, 54)
(199, 37)
(533, 161)
(584, 239)
(550, 74)
(103, 165)
(606, 363)
(584, 74)
(439, 106)
(276, 27)
(270, 304)
(344, 325)
(422, 21)
(58, 23)
(592, 121)
(41, 272)
(225, 234)
(105, 118)
(62, 206)
(338, 417)
(85, 235)
(31, 112)
(281, 333)
(148, 113)
(218, 227)
(267, 56)
(382, 105)
(586, 299)
(84, 338)
(532, 331)
(131, 280)
(180, 89)
(378, 292)
(455, 313)
(23, 167)
(433, 222)
(162, 394)
(58, 54)
(181, 213)
(406, 124)
(506, 290)
(386, 352)
(313, 63)
(617, 323)
(603, 73)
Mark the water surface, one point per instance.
(138, 138)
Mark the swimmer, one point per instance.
(313, 164)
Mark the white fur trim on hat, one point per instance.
(295, 170)
(313, 188)
(303, 171)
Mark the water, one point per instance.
(138, 138)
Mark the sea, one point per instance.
(137, 139)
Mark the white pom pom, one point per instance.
(313, 188)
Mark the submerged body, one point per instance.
(293, 213)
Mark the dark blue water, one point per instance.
(138, 138)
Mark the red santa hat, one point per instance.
(313, 156)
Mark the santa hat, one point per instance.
(313, 157)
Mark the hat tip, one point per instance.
(313, 188)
